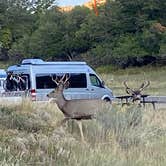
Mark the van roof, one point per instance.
(40, 66)
(41, 62)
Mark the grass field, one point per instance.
(136, 76)
(134, 136)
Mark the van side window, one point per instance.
(95, 81)
(44, 82)
(77, 80)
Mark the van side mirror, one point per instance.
(102, 83)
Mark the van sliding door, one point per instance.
(77, 87)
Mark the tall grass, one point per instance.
(131, 136)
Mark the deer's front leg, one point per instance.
(81, 131)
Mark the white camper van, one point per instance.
(84, 82)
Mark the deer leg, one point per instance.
(81, 131)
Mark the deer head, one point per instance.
(136, 93)
(62, 83)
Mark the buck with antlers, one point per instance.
(136, 94)
(78, 109)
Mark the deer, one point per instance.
(77, 109)
(137, 92)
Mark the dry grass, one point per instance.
(29, 134)
(131, 137)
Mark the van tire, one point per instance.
(107, 99)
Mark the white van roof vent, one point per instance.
(32, 61)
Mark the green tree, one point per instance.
(73, 42)
(6, 38)
(127, 51)
(46, 41)
(23, 20)
(150, 42)
(162, 51)
(129, 15)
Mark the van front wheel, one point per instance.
(107, 99)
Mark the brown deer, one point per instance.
(136, 93)
(78, 109)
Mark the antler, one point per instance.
(144, 85)
(128, 90)
(67, 78)
(61, 80)
(55, 80)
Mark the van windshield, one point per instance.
(77, 80)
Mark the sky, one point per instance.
(70, 2)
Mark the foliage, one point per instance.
(162, 50)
